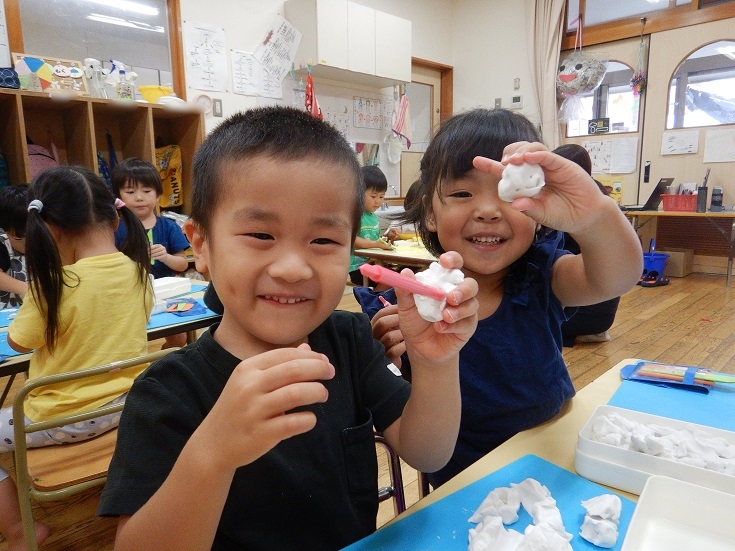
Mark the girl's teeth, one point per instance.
(285, 300)
(492, 240)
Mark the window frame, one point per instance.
(666, 19)
(15, 39)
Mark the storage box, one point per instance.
(672, 515)
(680, 262)
(629, 470)
(679, 202)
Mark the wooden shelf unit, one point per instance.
(79, 128)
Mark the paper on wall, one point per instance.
(618, 156)
(277, 50)
(678, 143)
(250, 78)
(204, 53)
(719, 146)
(4, 42)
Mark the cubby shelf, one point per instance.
(79, 127)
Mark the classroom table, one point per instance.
(159, 326)
(546, 452)
(700, 241)
(418, 257)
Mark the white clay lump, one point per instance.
(437, 276)
(524, 180)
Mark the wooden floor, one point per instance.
(691, 321)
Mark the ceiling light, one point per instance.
(127, 5)
(125, 23)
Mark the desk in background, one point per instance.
(707, 233)
(418, 257)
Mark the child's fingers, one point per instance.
(465, 292)
(296, 371)
(451, 260)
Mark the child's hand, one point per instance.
(386, 330)
(383, 244)
(255, 410)
(438, 341)
(570, 201)
(158, 252)
(391, 235)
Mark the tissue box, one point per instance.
(166, 287)
(680, 262)
(629, 470)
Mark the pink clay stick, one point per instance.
(394, 279)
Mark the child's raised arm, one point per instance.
(426, 433)
(248, 420)
(611, 259)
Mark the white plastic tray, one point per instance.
(672, 515)
(629, 470)
(166, 287)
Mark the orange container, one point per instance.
(686, 203)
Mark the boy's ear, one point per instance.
(199, 245)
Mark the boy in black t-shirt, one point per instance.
(260, 434)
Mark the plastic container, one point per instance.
(684, 203)
(166, 287)
(151, 93)
(672, 515)
(654, 262)
(629, 470)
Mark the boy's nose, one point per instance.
(290, 267)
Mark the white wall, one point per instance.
(490, 51)
(245, 23)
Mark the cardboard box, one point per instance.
(680, 262)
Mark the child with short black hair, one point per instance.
(269, 417)
(368, 235)
(13, 215)
(88, 305)
(138, 184)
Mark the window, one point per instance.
(702, 90)
(613, 99)
(135, 32)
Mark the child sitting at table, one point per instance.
(260, 435)
(88, 305)
(13, 275)
(368, 235)
(513, 376)
(138, 184)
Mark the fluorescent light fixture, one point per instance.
(124, 22)
(728, 51)
(127, 5)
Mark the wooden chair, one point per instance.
(56, 472)
(395, 490)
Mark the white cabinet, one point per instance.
(361, 38)
(350, 42)
(392, 46)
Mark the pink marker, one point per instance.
(394, 279)
(384, 302)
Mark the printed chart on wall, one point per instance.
(206, 59)
(617, 156)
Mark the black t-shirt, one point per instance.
(317, 490)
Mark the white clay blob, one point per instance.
(435, 275)
(524, 180)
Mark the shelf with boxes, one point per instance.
(80, 127)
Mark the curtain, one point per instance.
(545, 29)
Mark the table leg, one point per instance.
(191, 336)
(728, 277)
